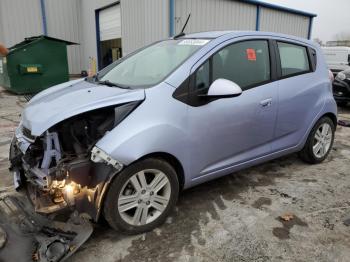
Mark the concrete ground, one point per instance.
(235, 218)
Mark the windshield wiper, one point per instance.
(109, 83)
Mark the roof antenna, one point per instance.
(183, 28)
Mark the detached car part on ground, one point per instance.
(341, 87)
(29, 236)
(168, 117)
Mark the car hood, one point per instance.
(72, 98)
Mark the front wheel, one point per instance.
(319, 142)
(141, 196)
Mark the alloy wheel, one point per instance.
(322, 140)
(144, 197)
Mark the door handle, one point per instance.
(266, 102)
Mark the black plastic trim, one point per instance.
(181, 93)
(313, 58)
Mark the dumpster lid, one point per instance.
(29, 40)
(33, 38)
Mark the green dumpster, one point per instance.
(35, 64)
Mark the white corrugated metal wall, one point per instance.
(282, 22)
(19, 19)
(209, 15)
(143, 22)
(133, 17)
(64, 22)
(88, 28)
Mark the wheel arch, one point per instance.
(173, 161)
(328, 114)
(332, 116)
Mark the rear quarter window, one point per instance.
(294, 59)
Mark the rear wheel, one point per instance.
(141, 196)
(319, 142)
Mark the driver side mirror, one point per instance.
(224, 88)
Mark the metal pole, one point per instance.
(171, 17)
(43, 16)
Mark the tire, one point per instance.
(144, 200)
(308, 153)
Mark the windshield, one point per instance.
(152, 64)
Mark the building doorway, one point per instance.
(109, 37)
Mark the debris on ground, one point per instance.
(288, 221)
(262, 201)
(287, 216)
(347, 222)
(3, 238)
(34, 237)
(327, 224)
(345, 123)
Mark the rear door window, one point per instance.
(294, 59)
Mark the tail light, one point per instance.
(330, 75)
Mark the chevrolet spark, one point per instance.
(170, 116)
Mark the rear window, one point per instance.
(294, 59)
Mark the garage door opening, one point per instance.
(109, 37)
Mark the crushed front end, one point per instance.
(62, 170)
(59, 173)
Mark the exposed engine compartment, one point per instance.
(79, 134)
(62, 168)
(57, 164)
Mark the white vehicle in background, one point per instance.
(337, 58)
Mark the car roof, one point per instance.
(209, 34)
(217, 34)
(343, 48)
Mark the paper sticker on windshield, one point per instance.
(251, 55)
(194, 42)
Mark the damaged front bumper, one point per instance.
(78, 184)
(49, 189)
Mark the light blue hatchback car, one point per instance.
(170, 116)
